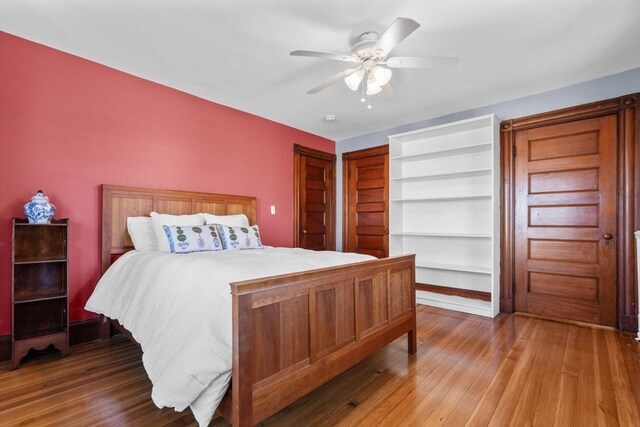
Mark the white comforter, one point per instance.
(178, 307)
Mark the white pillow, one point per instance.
(142, 235)
(164, 219)
(240, 237)
(237, 220)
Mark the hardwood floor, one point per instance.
(469, 370)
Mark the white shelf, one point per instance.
(445, 198)
(467, 149)
(454, 267)
(444, 175)
(429, 234)
(444, 189)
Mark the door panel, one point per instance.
(565, 220)
(365, 201)
(314, 199)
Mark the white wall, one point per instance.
(595, 90)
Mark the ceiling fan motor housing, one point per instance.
(363, 48)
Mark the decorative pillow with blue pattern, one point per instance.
(192, 238)
(240, 237)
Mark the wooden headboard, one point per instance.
(120, 202)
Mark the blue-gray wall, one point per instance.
(595, 90)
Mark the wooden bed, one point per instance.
(291, 333)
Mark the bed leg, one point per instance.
(412, 341)
(105, 328)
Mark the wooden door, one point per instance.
(314, 199)
(366, 195)
(565, 220)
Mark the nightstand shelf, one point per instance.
(39, 292)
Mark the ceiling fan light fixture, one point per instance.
(382, 75)
(373, 87)
(353, 80)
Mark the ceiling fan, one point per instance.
(371, 65)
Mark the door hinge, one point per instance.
(514, 151)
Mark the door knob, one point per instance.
(607, 236)
(304, 231)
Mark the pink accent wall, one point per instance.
(68, 125)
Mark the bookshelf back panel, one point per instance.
(454, 279)
(32, 319)
(39, 280)
(470, 161)
(468, 216)
(40, 242)
(461, 186)
(446, 250)
(429, 143)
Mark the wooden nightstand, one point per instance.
(39, 292)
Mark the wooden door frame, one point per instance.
(330, 231)
(346, 157)
(627, 110)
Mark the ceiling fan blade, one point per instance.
(398, 31)
(422, 62)
(325, 55)
(325, 84)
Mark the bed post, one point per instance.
(412, 335)
(242, 388)
(412, 340)
(105, 328)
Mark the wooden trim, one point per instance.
(5, 348)
(627, 109)
(366, 152)
(507, 216)
(567, 321)
(330, 235)
(578, 112)
(446, 290)
(84, 331)
(346, 157)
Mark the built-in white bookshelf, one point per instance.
(444, 191)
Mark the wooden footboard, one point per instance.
(292, 333)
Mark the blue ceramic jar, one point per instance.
(39, 210)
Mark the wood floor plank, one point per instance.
(490, 400)
(628, 412)
(448, 381)
(540, 404)
(443, 356)
(607, 408)
(363, 380)
(469, 370)
(459, 401)
(630, 352)
(567, 405)
(497, 352)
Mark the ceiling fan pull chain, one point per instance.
(366, 79)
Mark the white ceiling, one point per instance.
(236, 53)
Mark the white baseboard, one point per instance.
(449, 302)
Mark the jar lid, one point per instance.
(40, 197)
